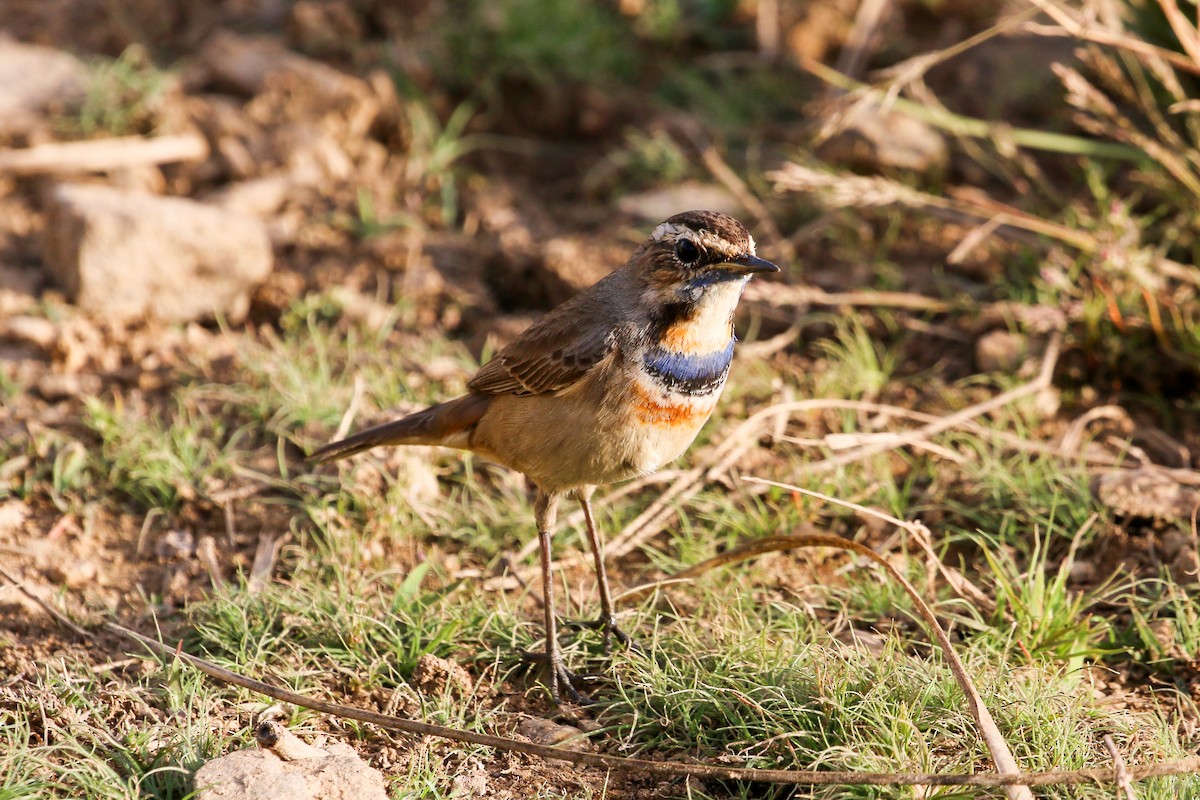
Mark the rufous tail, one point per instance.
(447, 424)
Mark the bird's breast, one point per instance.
(688, 373)
(678, 388)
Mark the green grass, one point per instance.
(386, 558)
(746, 663)
(79, 733)
(122, 96)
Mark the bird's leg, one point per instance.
(545, 511)
(607, 623)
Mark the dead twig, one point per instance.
(1038, 384)
(663, 768)
(103, 155)
(1121, 773)
(863, 37)
(998, 748)
(351, 410)
(783, 295)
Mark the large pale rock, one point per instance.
(337, 774)
(32, 79)
(127, 255)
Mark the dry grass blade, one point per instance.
(838, 190)
(1073, 24)
(745, 435)
(1124, 784)
(1001, 754)
(853, 191)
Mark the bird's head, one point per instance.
(698, 252)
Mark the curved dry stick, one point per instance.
(1000, 752)
(664, 768)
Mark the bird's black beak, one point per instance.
(749, 265)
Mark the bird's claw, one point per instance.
(562, 680)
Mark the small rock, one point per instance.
(1000, 351)
(1083, 572)
(435, 676)
(126, 255)
(247, 64)
(263, 775)
(1145, 492)
(470, 780)
(33, 78)
(543, 731)
(35, 330)
(12, 516)
(74, 573)
(54, 386)
(175, 544)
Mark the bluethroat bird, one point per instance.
(612, 384)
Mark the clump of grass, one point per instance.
(434, 150)
(642, 159)
(763, 684)
(858, 366)
(1164, 625)
(122, 96)
(1049, 620)
(161, 462)
(487, 44)
(368, 629)
(77, 733)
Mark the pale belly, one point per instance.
(589, 436)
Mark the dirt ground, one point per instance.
(355, 198)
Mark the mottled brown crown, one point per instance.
(713, 230)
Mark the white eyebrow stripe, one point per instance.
(670, 232)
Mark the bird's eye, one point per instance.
(686, 251)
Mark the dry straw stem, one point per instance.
(1122, 772)
(665, 769)
(844, 190)
(99, 155)
(718, 461)
(1077, 25)
(959, 125)
(1001, 754)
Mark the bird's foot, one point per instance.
(609, 630)
(562, 680)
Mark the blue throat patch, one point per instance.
(686, 373)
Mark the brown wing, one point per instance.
(557, 351)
